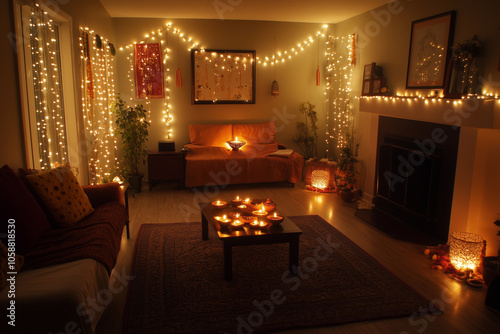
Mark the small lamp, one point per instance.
(320, 178)
(465, 251)
(275, 89)
(235, 144)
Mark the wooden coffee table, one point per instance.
(286, 232)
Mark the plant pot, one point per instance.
(347, 195)
(491, 268)
(135, 182)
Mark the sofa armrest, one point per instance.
(102, 193)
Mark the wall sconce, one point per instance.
(275, 89)
(320, 178)
(465, 253)
(235, 144)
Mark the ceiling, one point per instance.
(313, 11)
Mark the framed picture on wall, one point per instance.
(223, 76)
(367, 87)
(368, 72)
(431, 40)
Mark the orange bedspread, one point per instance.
(212, 165)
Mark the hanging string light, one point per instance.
(275, 89)
(178, 75)
(98, 94)
(339, 55)
(47, 88)
(318, 77)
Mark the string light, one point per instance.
(340, 61)
(49, 109)
(98, 94)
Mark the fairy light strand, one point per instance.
(339, 55)
(49, 108)
(98, 94)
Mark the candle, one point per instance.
(259, 224)
(275, 219)
(236, 201)
(261, 212)
(237, 223)
(219, 204)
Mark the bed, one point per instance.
(210, 161)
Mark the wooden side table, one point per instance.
(165, 166)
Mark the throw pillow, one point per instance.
(259, 133)
(20, 208)
(5, 266)
(62, 195)
(210, 134)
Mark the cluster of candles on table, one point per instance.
(257, 220)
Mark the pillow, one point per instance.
(259, 133)
(4, 264)
(210, 134)
(18, 204)
(61, 194)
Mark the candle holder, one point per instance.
(275, 219)
(219, 204)
(235, 144)
(223, 220)
(259, 224)
(260, 213)
(237, 201)
(237, 223)
(248, 219)
(234, 215)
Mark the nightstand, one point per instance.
(165, 166)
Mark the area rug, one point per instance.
(179, 286)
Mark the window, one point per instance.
(47, 86)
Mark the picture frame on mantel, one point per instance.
(223, 76)
(430, 44)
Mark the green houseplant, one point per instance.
(132, 125)
(307, 132)
(346, 170)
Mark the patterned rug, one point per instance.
(179, 285)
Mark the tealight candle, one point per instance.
(261, 212)
(237, 223)
(236, 201)
(259, 224)
(223, 219)
(275, 219)
(219, 204)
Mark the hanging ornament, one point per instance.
(178, 75)
(275, 89)
(318, 79)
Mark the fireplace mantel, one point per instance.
(473, 112)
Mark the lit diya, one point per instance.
(237, 201)
(235, 215)
(259, 224)
(219, 204)
(275, 219)
(261, 212)
(248, 219)
(224, 220)
(237, 223)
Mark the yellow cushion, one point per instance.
(5, 266)
(61, 194)
(210, 134)
(259, 133)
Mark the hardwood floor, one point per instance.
(464, 309)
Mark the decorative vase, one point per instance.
(347, 195)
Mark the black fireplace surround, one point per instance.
(415, 174)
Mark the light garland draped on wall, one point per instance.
(49, 109)
(340, 61)
(98, 95)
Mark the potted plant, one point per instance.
(491, 264)
(307, 132)
(132, 125)
(346, 171)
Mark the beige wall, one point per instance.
(384, 37)
(296, 77)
